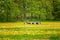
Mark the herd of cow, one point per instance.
(32, 23)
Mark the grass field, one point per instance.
(21, 31)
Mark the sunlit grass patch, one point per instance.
(49, 25)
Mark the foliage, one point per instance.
(8, 10)
(20, 10)
(57, 9)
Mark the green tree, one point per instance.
(57, 9)
(39, 9)
(8, 10)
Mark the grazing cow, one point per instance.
(27, 23)
(37, 23)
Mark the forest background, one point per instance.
(29, 10)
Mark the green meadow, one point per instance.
(21, 31)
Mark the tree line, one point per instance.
(23, 10)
